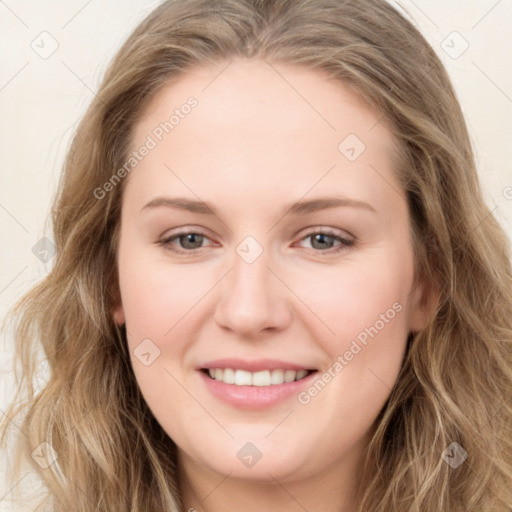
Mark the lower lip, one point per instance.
(255, 397)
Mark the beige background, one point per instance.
(43, 96)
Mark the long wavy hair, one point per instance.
(455, 385)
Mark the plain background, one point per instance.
(43, 96)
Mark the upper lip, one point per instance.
(255, 365)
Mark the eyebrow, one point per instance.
(297, 208)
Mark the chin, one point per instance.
(258, 460)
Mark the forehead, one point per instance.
(251, 92)
(257, 123)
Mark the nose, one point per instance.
(253, 300)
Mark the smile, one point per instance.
(261, 378)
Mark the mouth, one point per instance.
(255, 384)
(262, 378)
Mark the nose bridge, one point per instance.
(252, 298)
(251, 272)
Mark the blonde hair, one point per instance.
(456, 381)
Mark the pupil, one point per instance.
(191, 238)
(321, 238)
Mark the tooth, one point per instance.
(277, 377)
(229, 376)
(289, 375)
(301, 374)
(243, 378)
(261, 378)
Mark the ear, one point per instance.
(118, 315)
(117, 310)
(425, 299)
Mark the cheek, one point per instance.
(158, 301)
(164, 310)
(156, 295)
(367, 309)
(360, 300)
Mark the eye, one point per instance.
(188, 241)
(324, 240)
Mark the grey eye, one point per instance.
(324, 241)
(190, 240)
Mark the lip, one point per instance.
(256, 365)
(255, 397)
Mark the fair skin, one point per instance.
(251, 147)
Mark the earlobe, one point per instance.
(425, 301)
(116, 304)
(118, 315)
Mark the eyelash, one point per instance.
(344, 243)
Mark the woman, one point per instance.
(263, 369)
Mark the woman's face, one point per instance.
(300, 267)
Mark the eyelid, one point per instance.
(344, 243)
(334, 232)
(166, 239)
